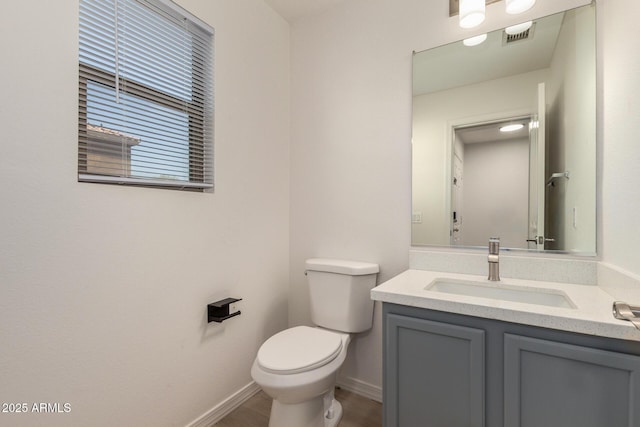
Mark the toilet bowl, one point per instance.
(298, 367)
(301, 382)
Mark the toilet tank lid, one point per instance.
(340, 266)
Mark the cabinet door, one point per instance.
(434, 374)
(554, 384)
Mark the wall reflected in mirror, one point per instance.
(533, 186)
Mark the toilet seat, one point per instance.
(299, 349)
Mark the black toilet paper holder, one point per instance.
(222, 310)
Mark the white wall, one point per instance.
(103, 289)
(620, 157)
(496, 193)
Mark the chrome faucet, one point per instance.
(494, 259)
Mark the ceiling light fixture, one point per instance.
(514, 7)
(471, 13)
(474, 41)
(512, 127)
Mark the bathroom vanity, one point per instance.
(520, 353)
(460, 350)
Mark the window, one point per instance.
(145, 95)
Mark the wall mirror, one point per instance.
(504, 138)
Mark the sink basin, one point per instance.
(502, 292)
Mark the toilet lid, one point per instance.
(298, 350)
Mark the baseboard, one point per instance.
(362, 388)
(223, 409)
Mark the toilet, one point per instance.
(298, 367)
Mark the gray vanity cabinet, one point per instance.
(448, 370)
(548, 383)
(438, 371)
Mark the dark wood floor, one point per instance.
(358, 412)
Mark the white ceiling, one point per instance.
(455, 65)
(292, 10)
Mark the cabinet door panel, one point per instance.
(553, 384)
(434, 374)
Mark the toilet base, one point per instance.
(321, 411)
(336, 415)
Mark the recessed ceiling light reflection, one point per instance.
(518, 28)
(512, 127)
(474, 41)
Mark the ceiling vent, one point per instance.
(514, 38)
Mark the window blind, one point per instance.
(145, 95)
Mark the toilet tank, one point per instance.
(339, 292)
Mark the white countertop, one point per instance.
(592, 315)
